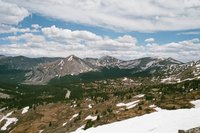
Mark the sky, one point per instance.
(127, 29)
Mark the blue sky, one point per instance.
(161, 37)
(94, 28)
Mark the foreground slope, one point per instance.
(164, 121)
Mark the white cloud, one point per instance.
(189, 33)
(127, 39)
(54, 32)
(17, 29)
(88, 39)
(150, 40)
(36, 26)
(12, 29)
(11, 13)
(135, 15)
(28, 37)
(62, 42)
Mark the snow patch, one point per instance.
(90, 106)
(166, 80)
(74, 116)
(72, 74)
(70, 58)
(64, 124)
(73, 106)
(89, 117)
(40, 131)
(125, 79)
(139, 96)
(67, 94)
(198, 65)
(61, 63)
(25, 110)
(128, 105)
(2, 109)
(8, 121)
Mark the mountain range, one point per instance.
(42, 70)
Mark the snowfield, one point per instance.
(165, 121)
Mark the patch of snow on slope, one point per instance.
(196, 103)
(25, 110)
(90, 106)
(8, 121)
(64, 124)
(198, 65)
(2, 109)
(125, 79)
(128, 105)
(89, 117)
(70, 58)
(61, 63)
(166, 80)
(40, 131)
(168, 121)
(67, 95)
(74, 116)
(139, 96)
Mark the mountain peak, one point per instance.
(71, 65)
(108, 60)
(172, 60)
(71, 58)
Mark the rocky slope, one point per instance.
(71, 65)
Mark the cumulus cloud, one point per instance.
(135, 15)
(11, 13)
(54, 32)
(89, 39)
(54, 41)
(150, 40)
(28, 37)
